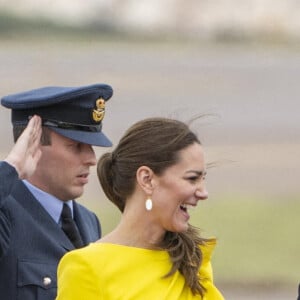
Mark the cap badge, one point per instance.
(99, 111)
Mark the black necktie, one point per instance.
(69, 227)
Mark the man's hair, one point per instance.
(45, 138)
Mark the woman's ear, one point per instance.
(144, 177)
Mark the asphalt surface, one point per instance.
(250, 96)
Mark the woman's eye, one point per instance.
(194, 178)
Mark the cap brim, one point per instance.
(86, 137)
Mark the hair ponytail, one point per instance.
(106, 176)
(186, 256)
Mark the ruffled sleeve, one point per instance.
(206, 272)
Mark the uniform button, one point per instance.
(46, 281)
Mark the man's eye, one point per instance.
(75, 145)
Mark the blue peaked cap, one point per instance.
(74, 112)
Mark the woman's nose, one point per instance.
(202, 193)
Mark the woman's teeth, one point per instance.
(185, 207)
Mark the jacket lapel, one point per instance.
(41, 217)
(86, 227)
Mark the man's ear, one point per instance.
(144, 177)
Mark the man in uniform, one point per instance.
(46, 170)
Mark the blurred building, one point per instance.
(195, 18)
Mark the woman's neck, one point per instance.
(136, 231)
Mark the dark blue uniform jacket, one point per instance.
(31, 243)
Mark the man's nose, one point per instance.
(89, 155)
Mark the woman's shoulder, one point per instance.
(82, 260)
(86, 253)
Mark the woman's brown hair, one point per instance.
(156, 143)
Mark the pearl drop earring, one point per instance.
(148, 204)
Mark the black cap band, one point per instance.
(71, 126)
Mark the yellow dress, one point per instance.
(103, 271)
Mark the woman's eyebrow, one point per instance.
(199, 173)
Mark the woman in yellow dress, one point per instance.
(154, 175)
